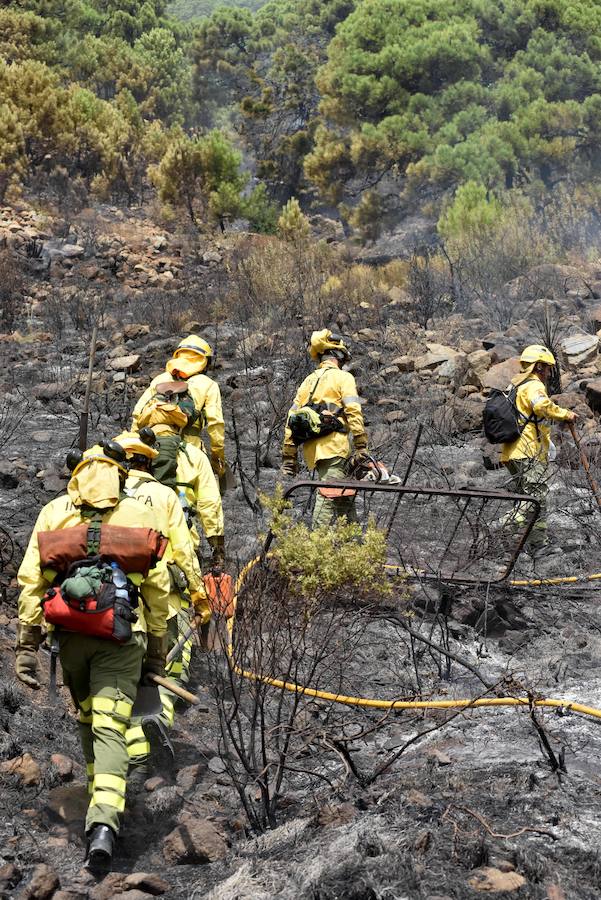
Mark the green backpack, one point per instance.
(164, 467)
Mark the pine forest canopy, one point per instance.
(357, 99)
(198, 9)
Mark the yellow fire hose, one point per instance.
(566, 705)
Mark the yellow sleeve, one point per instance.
(543, 406)
(289, 448)
(207, 498)
(155, 592)
(29, 577)
(214, 415)
(351, 404)
(146, 396)
(181, 545)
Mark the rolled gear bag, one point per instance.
(133, 549)
(93, 595)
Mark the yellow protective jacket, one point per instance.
(61, 513)
(170, 516)
(338, 389)
(533, 443)
(195, 476)
(207, 400)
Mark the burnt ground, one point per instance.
(486, 800)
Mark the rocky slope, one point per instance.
(474, 806)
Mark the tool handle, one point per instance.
(185, 637)
(173, 687)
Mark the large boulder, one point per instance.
(579, 349)
(500, 375)
(436, 356)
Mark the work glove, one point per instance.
(289, 462)
(217, 544)
(218, 464)
(156, 654)
(201, 606)
(29, 638)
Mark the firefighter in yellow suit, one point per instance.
(190, 360)
(102, 675)
(527, 457)
(185, 585)
(328, 454)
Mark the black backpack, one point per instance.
(313, 420)
(503, 422)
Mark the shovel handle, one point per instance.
(185, 637)
(174, 688)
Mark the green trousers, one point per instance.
(138, 746)
(529, 476)
(103, 678)
(327, 509)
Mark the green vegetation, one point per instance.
(374, 104)
(340, 555)
(499, 93)
(198, 9)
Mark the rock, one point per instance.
(42, 885)
(211, 256)
(53, 484)
(453, 369)
(137, 330)
(194, 841)
(89, 272)
(187, 777)
(126, 363)
(436, 356)
(72, 894)
(479, 363)
(68, 803)
(25, 767)
(216, 765)
(467, 413)
(109, 887)
(488, 879)
(63, 765)
(134, 895)
(149, 882)
(438, 756)
(10, 876)
(159, 242)
(593, 394)
(578, 349)
(404, 363)
(500, 375)
(42, 437)
(152, 784)
(71, 251)
(395, 415)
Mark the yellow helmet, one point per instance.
(196, 344)
(107, 452)
(133, 444)
(537, 353)
(322, 341)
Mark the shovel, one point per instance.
(148, 699)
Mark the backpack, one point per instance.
(503, 422)
(93, 594)
(164, 467)
(313, 420)
(95, 598)
(171, 404)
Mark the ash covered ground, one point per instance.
(501, 800)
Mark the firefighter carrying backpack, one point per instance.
(503, 422)
(313, 420)
(91, 593)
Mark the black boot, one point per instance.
(161, 748)
(101, 843)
